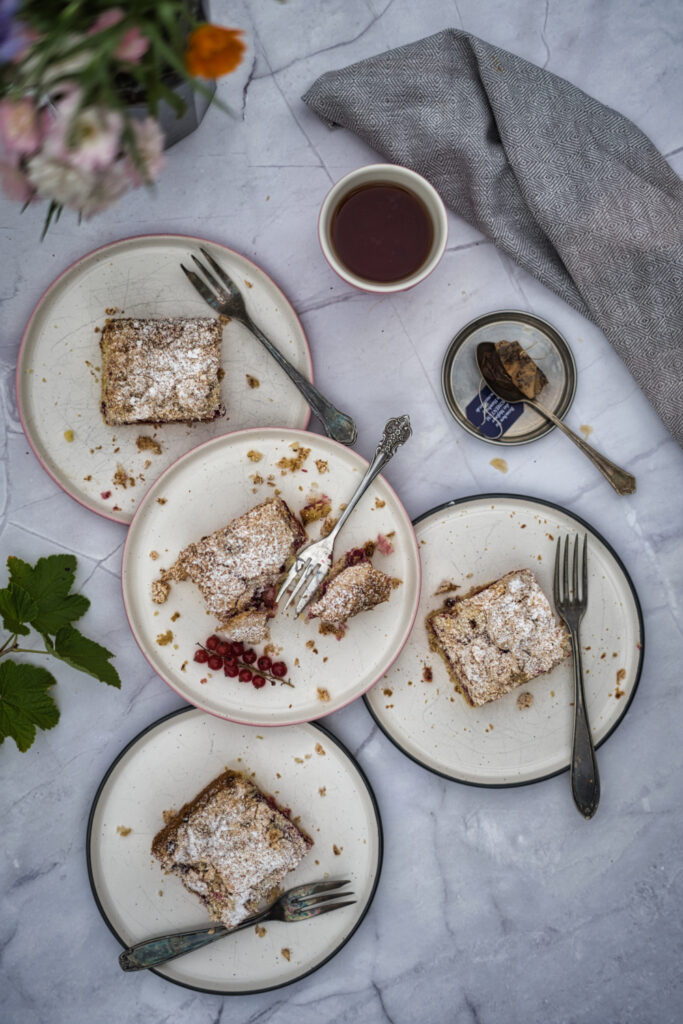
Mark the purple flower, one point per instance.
(12, 33)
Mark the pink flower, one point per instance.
(88, 139)
(150, 143)
(133, 45)
(14, 182)
(20, 126)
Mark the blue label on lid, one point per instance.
(491, 415)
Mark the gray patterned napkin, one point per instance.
(567, 187)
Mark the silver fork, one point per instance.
(225, 297)
(315, 560)
(570, 601)
(297, 904)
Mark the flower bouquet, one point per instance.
(73, 76)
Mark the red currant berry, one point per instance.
(215, 662)
(237, 648)
(264, 662)
(245, 675)
(231, 668)
(201, 656)
(279, 669)
(258, 682)
(212, 643)
(249, 657)
(222, 648)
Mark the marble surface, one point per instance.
(493, 905)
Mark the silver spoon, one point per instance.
(501, 384)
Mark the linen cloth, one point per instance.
(570, 189)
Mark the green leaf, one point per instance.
(25, 703)
(84, 654)
(48, 584)
(16, 608)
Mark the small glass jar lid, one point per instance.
(485, 415)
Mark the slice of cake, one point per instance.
(231, 846)
(520, 368)
(353, 585)
(161, 371)
(498, 637)
(237, 568)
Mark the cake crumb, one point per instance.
(286, 953)
(161, 501)
(427, 673)
(123, 830)
(252, 381)
(323, 790)
(145, 443)
(322, 466)
(621, 675)
(337, 849)
(164, 638)
(387, 691)
(260, 930)
(446, 587)
(319, 749)
(586, 429)
(175, 616)
(154, 555)
(525, 700)
(254, 456)
(122, 478)
(68, 435)
(296, 462)
(379, 503)
(323, 694)
(328, 525)
(499, 464)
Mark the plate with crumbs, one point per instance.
(524, 735)
(306, 771)
(108, 468)
(219, 483)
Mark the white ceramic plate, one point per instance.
(472, 542)
(202, 492)
(168, 764)
(58, 371)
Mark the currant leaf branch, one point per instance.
(38, 597)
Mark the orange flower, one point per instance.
(213, 51)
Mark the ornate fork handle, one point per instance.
(396, 432)
(157, 951)
(338, 425)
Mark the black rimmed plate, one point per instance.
(307, 769)
(482, 413)
(471, 542)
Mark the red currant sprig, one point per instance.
(237, 662)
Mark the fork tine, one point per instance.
(575, 571)
(199, 286)
(209, 277)
(305, 572)
(227, 281)
(302, 891)
(556, 578)
(324, 897)
(584, 574)
(317, 911)
(287, 582)
(565, 571)
(318, 576)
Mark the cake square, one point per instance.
(161, 371)
(353, 585)
(237, 567)
(231, 846)
(498, 637)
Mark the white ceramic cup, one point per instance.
(392, 174)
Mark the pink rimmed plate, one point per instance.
(108, 469)
(202, 492)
